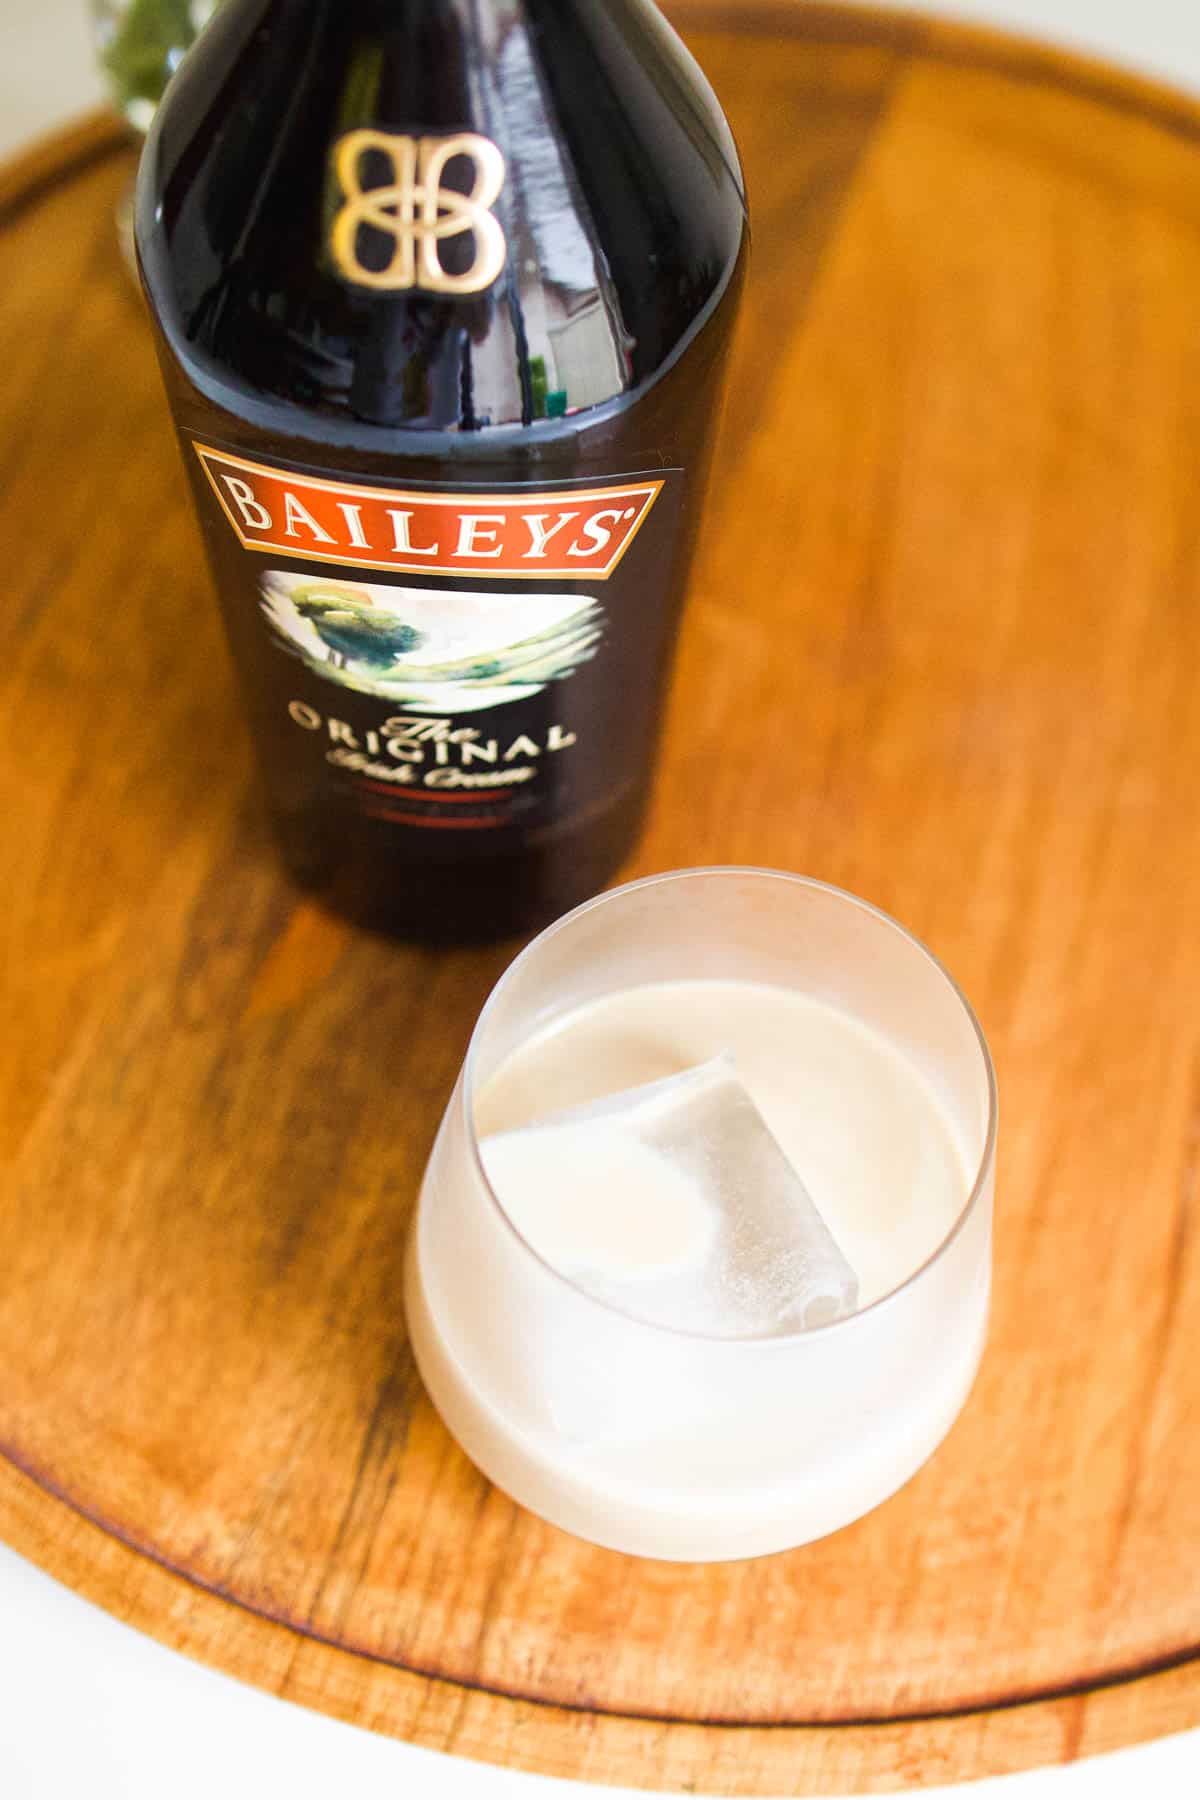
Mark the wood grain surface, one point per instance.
(942, 649)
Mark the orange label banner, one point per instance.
(561, 534)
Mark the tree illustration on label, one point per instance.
(352, 631)
(431, 650)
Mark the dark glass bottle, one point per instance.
(443, 291)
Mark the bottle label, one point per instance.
(561, 534)
(450, 659)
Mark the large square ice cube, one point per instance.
(674, 1203)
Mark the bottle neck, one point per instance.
(457, 216)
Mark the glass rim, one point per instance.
(966, 1212)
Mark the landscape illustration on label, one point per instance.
(430, 650)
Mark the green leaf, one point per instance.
(145, 48)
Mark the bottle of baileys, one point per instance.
(443, 291)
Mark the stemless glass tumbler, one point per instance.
(671, 1444)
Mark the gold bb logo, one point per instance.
(418, 212)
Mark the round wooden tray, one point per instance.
(943, 649)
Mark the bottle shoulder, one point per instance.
(510, 217)
(662, 424)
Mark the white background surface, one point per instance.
(90, 1708)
